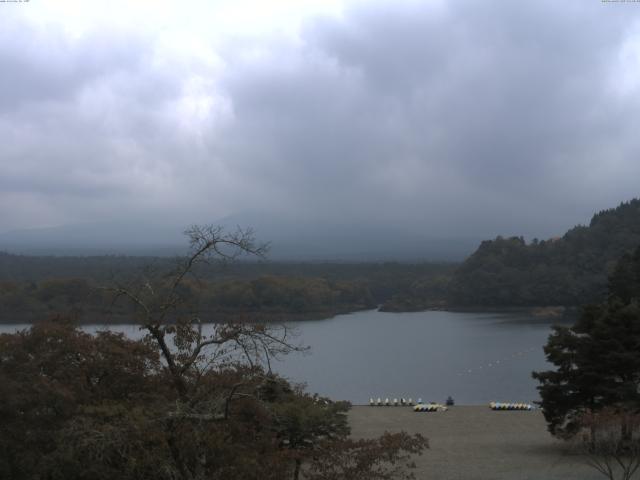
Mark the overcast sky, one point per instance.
(456, 118)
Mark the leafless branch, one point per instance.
(158, 296)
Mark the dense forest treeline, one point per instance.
(267, 297)
(37, 287)
(571, 270)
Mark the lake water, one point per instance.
(474, 357)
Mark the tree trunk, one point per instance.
(296, 471)
(625, 433)
(175, 453)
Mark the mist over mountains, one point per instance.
(289, 239)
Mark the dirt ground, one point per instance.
(474, 442)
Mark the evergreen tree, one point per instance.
(598, 358)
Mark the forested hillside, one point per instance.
(35, 288)
(570, 270)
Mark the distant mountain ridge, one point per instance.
(297, 239)
(571, 270)
(95, 238)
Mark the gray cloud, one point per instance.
(472, 118)
(467, 118)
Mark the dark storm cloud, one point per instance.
(458, 117)
(473, 116)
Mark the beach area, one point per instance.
(477, 443)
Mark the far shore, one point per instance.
(548, 312)
(543, 314)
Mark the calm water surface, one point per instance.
(474, 357)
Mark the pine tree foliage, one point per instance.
(597, 359)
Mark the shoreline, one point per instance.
(538, 311)
(543, 314)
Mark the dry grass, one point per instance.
(474, 442)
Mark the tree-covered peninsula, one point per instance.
(509, 272)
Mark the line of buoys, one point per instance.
(510, 406)
(386, 402)
(430, 407)
(494, 364)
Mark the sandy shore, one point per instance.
(474, 442)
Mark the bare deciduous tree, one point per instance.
(164, 312)
(611, 442)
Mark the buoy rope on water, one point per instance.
(495, 363)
